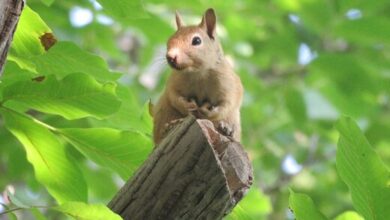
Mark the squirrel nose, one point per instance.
(171, 58)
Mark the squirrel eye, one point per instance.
(196, 41)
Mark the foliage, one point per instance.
(362, 170)
(74, 94)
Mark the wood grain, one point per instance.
(10, 11)
(194, 173)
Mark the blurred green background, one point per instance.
(303, 65)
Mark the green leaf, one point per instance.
(66, 57)
(349, 215)
(146, 124)
(82, 211)
(52, 167)
(255, 205)
(129, 116)
(13, 73)
(362, 170)
(124, 9)
(303, 207)
(26, 41)
(121, 151)
(76, 96)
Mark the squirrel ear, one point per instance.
(209, 22)
(179, 21)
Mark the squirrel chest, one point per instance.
(209, 87)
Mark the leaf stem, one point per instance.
(21, 208)
(51, 128)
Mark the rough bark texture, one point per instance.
(10, 11)
(195, 173)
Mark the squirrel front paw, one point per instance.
(206, 111)
(225, 129)
(170, 125)
(191, 105)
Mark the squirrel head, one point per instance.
(194, 48)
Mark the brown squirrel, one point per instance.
(202, 82)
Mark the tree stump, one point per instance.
(195, 173)
(10, 11)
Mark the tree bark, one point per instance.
(195, 173)
(10, 11)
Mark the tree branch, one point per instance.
(10, 11)
(195, 173)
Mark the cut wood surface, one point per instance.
(10, 11)
(195, 173)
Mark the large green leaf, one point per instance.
(363, 171)
(66, 57)
(303, 207)
(52, 166)
(76, 96)
(124, 9)
(121, 151)
(129, 116)
(26, 42)
(82, 211)
(13, 73)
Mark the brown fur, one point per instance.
(204, 84)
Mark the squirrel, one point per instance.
(202, 82)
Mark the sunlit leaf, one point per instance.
(26, 42)
(82, 211)
(65, 58)
(363, 171)
(121, 151)
(349, 215)
(13, 73)
(303, 207)
(52, 166)
(76, 96)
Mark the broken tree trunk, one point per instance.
(10, 11)
(195, 173)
